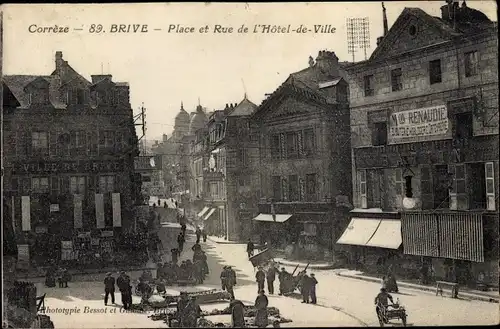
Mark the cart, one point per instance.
(394, 311)
(263, 258)
(292, 282)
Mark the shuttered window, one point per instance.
(458, 192)
(426, 187)
(490, 185)
(362, 189)
(276, 186)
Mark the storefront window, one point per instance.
(40, 184)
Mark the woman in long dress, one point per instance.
(261, 303)
(237, 314)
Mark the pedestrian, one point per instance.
(271, 276)
(123, 283)
(50, 280)
(180, 242)
(223, 278)
(175, 255)
(196, 248)
(250, 248)
(204, 233)
(203, 258)
(63, 280)
(165, 204)
(261, 303)
(305, 286)
(198, 271)
(183, 226)
(260, 277)
(283, 277)
(312, 288)
(237, 313)
(109, 288)
(231, 281)
(198, 235)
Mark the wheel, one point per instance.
(403, 318)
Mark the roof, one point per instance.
(18, 83)
(245, 107)
(330, 83)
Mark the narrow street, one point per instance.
(341, 301)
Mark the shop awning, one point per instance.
(387, 235)
(420, 234)
(280, 218)
(209, 214)
(461, 236)
(359, 231)
(203, 211)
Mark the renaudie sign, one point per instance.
(47, 167)
(430, 121)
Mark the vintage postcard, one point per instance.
(250, 164)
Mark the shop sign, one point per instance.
(83, 166)
(414, 124)
(54, 207)
(84, 235)
(106, 234)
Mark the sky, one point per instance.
(166, 68)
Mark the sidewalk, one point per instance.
(216, 239)
(485, 296)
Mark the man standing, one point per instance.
(180, 241)
(283, 277)
(237, 313)
(271, 276)
(198, 235)
(260, 277)
(261, 303)
(175, 255)
(231, 281)
(223, 278)
(204, 233)
(250, 248)
(123, 283)
(109, 288)
(312, 291)
(305, 286)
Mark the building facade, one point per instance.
(151, 171)
(69, 148)
(424, 133)
(305, 161)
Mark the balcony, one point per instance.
(480, 148)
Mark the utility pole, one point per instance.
(142, 117)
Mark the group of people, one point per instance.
(188, 311)
(124, 285)
(62, 275)
(270, 275)
(308, 287)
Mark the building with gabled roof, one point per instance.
(302, 129)
(424, 133)
(69, 148)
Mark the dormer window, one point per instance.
(40, 96)
(77, 96)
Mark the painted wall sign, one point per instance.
(47, 167)
(54, 207)
(414, 124)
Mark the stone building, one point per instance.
(304, 167)
(68, 152)
(424, 133)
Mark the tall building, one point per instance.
(303, 131)
(424, 134)
(69, 145)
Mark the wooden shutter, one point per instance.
(72, 142)
(489, 168)
(426, 187)
(54, 185)
(53, 143)
(363, 198)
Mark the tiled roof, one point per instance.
(17, 84)
(245, 107)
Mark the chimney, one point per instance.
(59, 63)
(449, 10)
(379, 40)
(384, 14)
(165, 137)
(328, 62)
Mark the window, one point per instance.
(375, 188)
(291, 145)
(309, 144)
(476, 177)
(54, 185)
(471, 62)
(362, 189)
(368, 84)
(77, 185)
(490, 185)
(106, 184)
(427, 197)
(243, 181)
(214, 189)
(255, 138)
(39, 142)
(458, 192)
(106, 138)
(396, 76)
(463, 126)
(379, 133)
(311, 189)
(293, 188)
(441, 187)
(275, 147)
(435, 71)
(276, 185)
(40, 184)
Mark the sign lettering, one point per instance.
(411, 124)
(48, 167)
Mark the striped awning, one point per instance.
(445, 235)
(203, 211)
(210, 213)
(420, 234)
(461, 236)
(279, 218)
